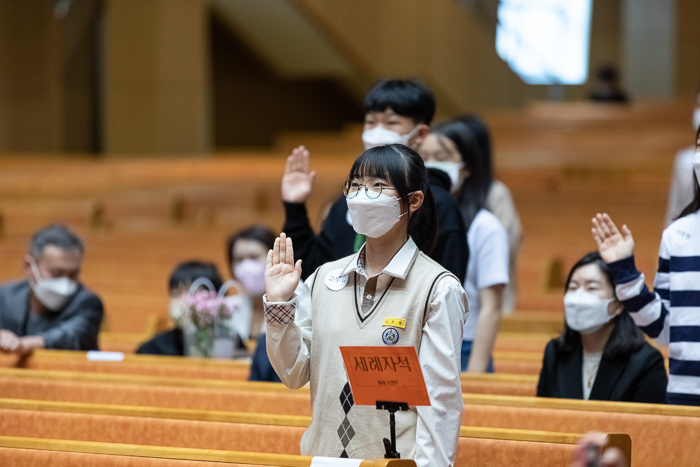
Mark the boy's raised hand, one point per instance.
(282, 275)
(613, 245)
(298, 180)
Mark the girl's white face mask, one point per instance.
(373, 217)
(586, 312)
(450, 168)
(380, 136)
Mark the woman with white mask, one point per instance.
(601, 355)
(390, 293)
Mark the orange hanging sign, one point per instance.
(390, 374)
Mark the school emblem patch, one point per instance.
(390, 336)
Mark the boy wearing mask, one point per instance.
(396, 112)
(172, 342)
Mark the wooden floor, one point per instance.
(139, 217)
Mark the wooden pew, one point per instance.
(660, 433)
(230, 370)
(154, 391)
(522, 385)
(481, 410)
(30, 452)
(172, 428)
(507, 362)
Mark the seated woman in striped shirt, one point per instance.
(671, 314)
(601, 355)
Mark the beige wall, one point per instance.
(449, 46)
(687, 47)
(30, 90)
(150, 88)
(156, 77)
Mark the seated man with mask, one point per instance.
(51, 309)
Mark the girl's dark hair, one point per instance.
(404, 169)
(472, 194)
(694, 205)
(481, 132)
(257, 232)
(625, 338)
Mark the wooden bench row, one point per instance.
(228, 371)
(654, 428)
(39, 452)
(256, 432)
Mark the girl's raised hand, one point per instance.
(282, 275)
(613, 245)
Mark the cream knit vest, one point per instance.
(339, 428)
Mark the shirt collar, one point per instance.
(397, 267)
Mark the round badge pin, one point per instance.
(390, 336)
(335, 281)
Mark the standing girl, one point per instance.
(354, 298)
(671, 314)
(453, 146)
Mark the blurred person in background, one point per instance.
(682, 182)
(607, 86)
(247, 256)
(592, 451)
(454, 145)
(246, 253)
(181, 279)
(499, 202)
(50, 309)
(601, 355)
(397, 111)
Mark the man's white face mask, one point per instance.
(52, 293)
(380, 136)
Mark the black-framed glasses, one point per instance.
(373, 188)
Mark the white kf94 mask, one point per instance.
(373, 217)
(586, 312)
(52, 293)
(450, 168)
(380, 136)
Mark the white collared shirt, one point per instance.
(439, 356)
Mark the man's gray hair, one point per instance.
(57, 235)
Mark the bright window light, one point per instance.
(545, 41)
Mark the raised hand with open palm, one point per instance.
(613, 245)
(298, 180)
(282, 275)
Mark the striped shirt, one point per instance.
(671, 314)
